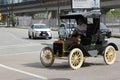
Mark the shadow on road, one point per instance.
(86, 64)
(57, 66)
(60, 66)
(25, 38)
(60, 79)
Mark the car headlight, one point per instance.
(37, 31)
(49, 31)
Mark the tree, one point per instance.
(113, 12)
(12, 19)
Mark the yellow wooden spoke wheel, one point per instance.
(47, 57)
(109, 55)
(76, 58)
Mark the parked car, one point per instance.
(105, 30)
(39, 31)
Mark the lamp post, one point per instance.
(8, 16)
(58, 11)
(12, 14)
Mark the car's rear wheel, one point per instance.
(29, 36)
(47, 57)
(109, 55)
(50, 37)
(76, 58)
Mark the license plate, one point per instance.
(43, 34)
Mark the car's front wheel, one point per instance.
(47, 57)
(29, 36)
(109, 55)
(76, 58)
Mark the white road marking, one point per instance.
(10, 33)
(19, 45)
(23, 72)
(32, 52)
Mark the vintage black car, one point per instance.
(76, 49)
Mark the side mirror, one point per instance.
(108, 34)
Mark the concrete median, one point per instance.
(117, 35)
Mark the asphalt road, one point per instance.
(19, 60)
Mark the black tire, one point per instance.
(50, 37)
(29, 35)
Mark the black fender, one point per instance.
(85, 53)
(104, 47)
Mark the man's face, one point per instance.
(79, 22)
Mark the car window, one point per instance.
(40, 26)
(70, 26)
(62, 31)
(103, 26)
(62, 25)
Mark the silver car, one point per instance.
(39, 31)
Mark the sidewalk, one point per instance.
(117, 35)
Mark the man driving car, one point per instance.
(81, 26)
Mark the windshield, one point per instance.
(62, 25)
(103, 26)
(70, 26)
(40, 26)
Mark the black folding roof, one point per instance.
(81, 14)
